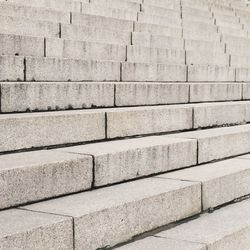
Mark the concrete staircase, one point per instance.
(124, 124)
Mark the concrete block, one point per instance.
(242, 74)
(158, 29)
(116, 218)
(33, 96)
(202, 19)
(44, 129)
(222, 181)
(117, 161)
(207, 57)
(156, 243)
(148, 120)
(211, 73)
(232, 31)
(32, 176)
(192, 11)
(154, 55)
(120, 4)
(199, 27)
(196, 45)
(28, 27)
(160, 20)
(163, 3)
(220, 142)
(56, 47)
(153, 72)
(226, 228)
(11, 9)
(201, 35)
(136, 94)
(102, 10)
(94, 34)
(240, 61)
(61, 5)
(20, 229)
(101, 22)
(21, 45)
(158, 41)
(212, 92)
(156, 10)
(11, 68)
(234, 23)
(219, 114)
(54, 69)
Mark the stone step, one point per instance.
(191, 11)
(242, 74)
(37, 13)
(202, 35)
(229, 180)
(62, 5)
(55, 69)
(118, 161)
(32, 230)
(95, 34)
(120, 4)
(153, 55)
(164, 4)
(153, 72)
(158, 41)
(105, 211)
(42, 96)
(156, 10)
(226, 228)
(220, 142)
(28, 27)
(157, 29)
(232, 31)
(207, 57)
(101, 22)
(50, 128)
(197, 45)
(32, 176)
(240, 61)
(103, 10)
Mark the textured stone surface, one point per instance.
(44, 129)
(55, 96)
(156, 10)
(153, 72)
(211, 73)
(208, 92)
(147, 120)
(227, 228)
(28, 177)
(29, 230)
(220, 142)
(222, 181)
(117, 161)
(84, 50)
(54, 69)
(133, 94)
(196, 45)
(156, 243)
(219, 114)
(242, 74)
(119, 212)
(120, 4)
(11, 68)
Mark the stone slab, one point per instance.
(242, 74)
(136, 94)
(15, 45)
(157, 10)
(220, 142)
(124, 122)
(219, 114)
(212, 92)
(32, 176)
(116, 218)
(11, 68)
(120, 4)
(246, 91)
(196, 45)
(151, 72)
(43, 129)
(226, 228)
(211, 73)
(29, 230)
(156, 243)
(102, 22)
(84, 50)
(94, 34)
(55, 69)
(34, 96)
(157, 41)
(222, 182)
(117, 161)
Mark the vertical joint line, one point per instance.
(189, 93)
(24, 69)
(121, 72)
(197, 153)
(60, 30)
(114, 95)
(44, 47)
(186, 73)
(106, 125)
(93, 172)
(73, 231)
(193, 118)
(242, 90)
(70, 17)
